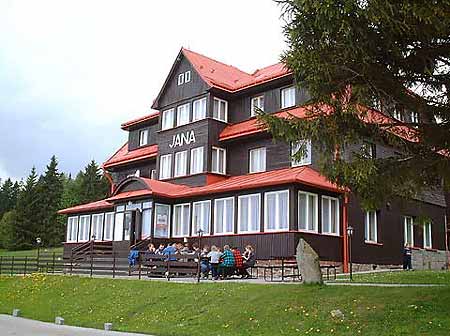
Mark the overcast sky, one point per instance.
(72, 71)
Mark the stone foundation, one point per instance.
(429, 259)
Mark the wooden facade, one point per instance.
(390, 227)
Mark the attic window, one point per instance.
(184, 77)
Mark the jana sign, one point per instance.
(182, 139)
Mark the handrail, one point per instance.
(140, 243)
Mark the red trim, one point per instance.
(123, 156)
(134, 122)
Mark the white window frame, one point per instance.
(398, 113)
(307, 212)
(306, 159)
(183, 165)
(105, 231)
(283, 102)
(262, 152)
(277, 211)
(187, 76)
(162, 172)
(169, 212)
(183, 109)
(406, 223)
(219, 101)
(202, 216)
(183, 225)
(180, 80)
(256, 102)
(368, 231)
(72, 229)
(217, 169)
(197, 152)
(143, 137)
(168, 118)
(93, 222)
(337, 215)
(88, 227)
(199, 105)
(249, 213)
(414, 117)
(427, 231)
(225, 213)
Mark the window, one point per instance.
(224, 215)
(146, 219)
(276, 210)
(330, 215)
(369, 150)
(118, 226)
(181, 79)
(143, 137)
(162, 220)
(181, 220)
(249, 214)
(109, 226)
(72, 229)
(153, 174)
(167, 119)
(257, 104)
(196, 160)
(219, 159)
(371, 234)
(97, 227)
(306, 159)
(201, 217)
(220, 109)
(83, 231)
(288, 97)
(257, 160)
(165, 166)
(187, 76)
(183, 114)
(414, 118)
(409, 230)
(127, 225)
(199, 109)
(308, 208)
(427, 240)
(180, 163)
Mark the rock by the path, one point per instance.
(308, 263)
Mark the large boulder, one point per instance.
(308, 263)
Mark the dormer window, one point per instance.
(143, 137)
(288, 97)
(167, 119)
(184, 77)
(183, 114)
(220, 109)
(257, 104)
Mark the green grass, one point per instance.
(58, 250)
(403, 277)
(164, 308)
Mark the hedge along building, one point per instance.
(202, 161)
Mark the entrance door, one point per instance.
(127, 225)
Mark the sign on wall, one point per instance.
(181, 139)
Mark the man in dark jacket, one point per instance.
(407, 257)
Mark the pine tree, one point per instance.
(50, 191)
(27, 208)
(8, 196)
(94, 185)
(8, 232)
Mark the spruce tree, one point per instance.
(8, 196)
(93, 184)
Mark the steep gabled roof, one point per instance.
(124, 156)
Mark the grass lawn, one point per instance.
(163, 308)
(57, 250)
(403, 277)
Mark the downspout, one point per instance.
(345, 236)
(111, 182)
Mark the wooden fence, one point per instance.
(23, 265)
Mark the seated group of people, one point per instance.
(221, 264)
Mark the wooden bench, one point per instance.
(178, 265)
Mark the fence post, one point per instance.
(37, 261)
(1, 264)
(25, 266)
(92, 263)
(12, 265)
(282, 269)
(53, 268)
(71, 263)
(114, 264)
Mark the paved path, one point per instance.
(363, 284)
(17, 326)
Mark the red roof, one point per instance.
(123, 156)
(140, 120)
(253, 126)
(230, 78)
(98, 205)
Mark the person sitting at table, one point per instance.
(214, 261)
(238, 261)
(227, 262)
(170, 251)
(204, 262)
(151, 248)
(160, 250)
(249, 261)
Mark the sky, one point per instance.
(72, 71)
